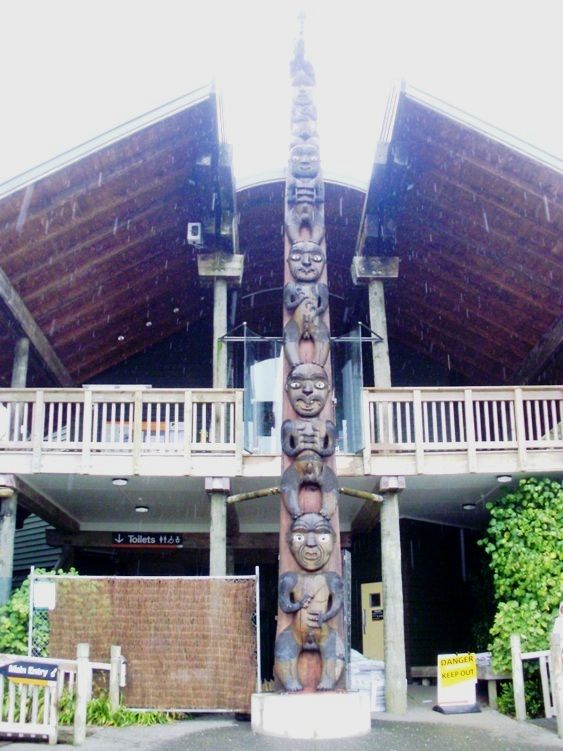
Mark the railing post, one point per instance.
(470, 430)
(556, 664)
(366, 430)
(114, 677)
(37, 430)
(86, 431)
(239, 425)
(518, 677)
(188, 406)
(520, 427)
(137, 431)
(83, 690)
(418, 430)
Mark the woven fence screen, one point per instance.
(190, 643)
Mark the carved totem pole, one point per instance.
(309, 651)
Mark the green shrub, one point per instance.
(524, 541)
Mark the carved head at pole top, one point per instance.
(308, 389)
(311, 540)
(306, 261)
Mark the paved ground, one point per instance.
(419, 729)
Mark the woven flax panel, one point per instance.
(189, 643)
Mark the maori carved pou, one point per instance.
(310, 585)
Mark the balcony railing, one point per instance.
(180, 432)
(481, 429)
(134, 423)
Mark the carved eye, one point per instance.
(299, 537)
(320, 385)
(295, 384)
(295, 257)
(324, 537)
(317, 257)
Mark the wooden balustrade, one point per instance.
(131, 421)
(411, 429)
(470, 421)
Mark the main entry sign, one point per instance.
(34, 673)
(148, 540)
(457, 678)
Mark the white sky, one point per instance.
(72, 69)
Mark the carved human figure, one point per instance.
(307, 388)
(312, 434)
(309, 469)
(304, 191)
(307, 302)
(313, 598)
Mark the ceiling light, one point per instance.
(120, 481)
(504, 478)
(469, 506)
(176, 310)
(148, 323)
(120, 338)
(141, 509)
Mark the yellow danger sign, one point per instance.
(454, 669)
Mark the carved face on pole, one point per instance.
(308, 388)
(306, 261)
(311, 541)
(304, 160)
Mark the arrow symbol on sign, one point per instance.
(119, 538)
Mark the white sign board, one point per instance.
(44, 595)
(457, 679)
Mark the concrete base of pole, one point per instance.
(315, 716)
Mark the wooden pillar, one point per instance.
(8, 496)
(8, 509)
(219, 268)
(372, 271)
(393, 623)
(21, 358)
(218, 489)
(219, 330)
(378, 323)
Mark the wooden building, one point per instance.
(463, 225)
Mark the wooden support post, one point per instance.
(114, 677)
(378, 323)
(83, 690)
(21, 359)
(218, 489)
(556, 663)
(394, 630)
(8, 509)
(9, 498)
(219, 330)
(518, 677)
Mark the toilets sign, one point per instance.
(457, 678)
(153, 540)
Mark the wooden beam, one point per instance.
(547, 347)
(18, 309)
(39, 504)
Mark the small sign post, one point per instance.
(457, 679)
